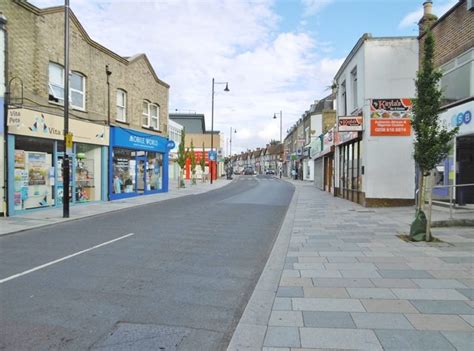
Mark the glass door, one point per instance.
(141, 174)
(59, 176)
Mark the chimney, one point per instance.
(428, 18)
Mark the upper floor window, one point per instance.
(344, 99)
(146, 114)
(354, 88)
(121, 105)
(77, 95)
(150, 116)
(458, 78)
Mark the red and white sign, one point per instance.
(349, 123)
(390, 117)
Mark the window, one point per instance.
(354, 88)
(121, 106)
(154, 116)
(455, 84)
(344, 99)
(146, 114)
(150, 116)
(77, 96)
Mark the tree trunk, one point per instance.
(430, 205)
(421, 191)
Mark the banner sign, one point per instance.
(390, 117)
(349, 123)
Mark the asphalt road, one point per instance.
(182, 277)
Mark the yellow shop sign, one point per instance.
(43, 125)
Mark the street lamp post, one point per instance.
(67, 137)
(211, 163)
(281, 124)
(230, 141)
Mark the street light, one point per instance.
(230, 141)
(281, 125)
(211, 168)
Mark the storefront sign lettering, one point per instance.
(461, 118)
(143, 140)
(349, 123)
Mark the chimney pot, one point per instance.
(427, 7)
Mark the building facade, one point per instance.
(454, 57)
(174, 133)
(374, 141)
(118, 115)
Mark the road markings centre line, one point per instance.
(63, 258)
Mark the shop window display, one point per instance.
(33, 173)
(123, 171)
(87, 173)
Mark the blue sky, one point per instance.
(275, 54)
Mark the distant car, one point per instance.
(248, 171)
(270, 172)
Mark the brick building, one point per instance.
(118, 114)
(454, 57)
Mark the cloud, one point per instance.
(314, 6)
(189, 42)
(412, 18)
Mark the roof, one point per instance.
(88, 39)
(192, 122)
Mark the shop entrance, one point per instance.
(465, 169)
(141, 172)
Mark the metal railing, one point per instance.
(450, 195)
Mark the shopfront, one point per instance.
(350, 166)
(458, 167)
(139, 163)
(35, 156)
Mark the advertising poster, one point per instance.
(390, 117)
(38, 170)
(20, 159)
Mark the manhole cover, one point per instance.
(130, 336)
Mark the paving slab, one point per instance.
(428, 294)
(393, 306)
(414, 340)
(328, 319)
(438, 322)
(282, 337)
(381, 321)
(462, 341)
(325, 292)
(443, 307)
(336, 305)
(339, 338)
(286, 319)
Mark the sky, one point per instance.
(276, 55)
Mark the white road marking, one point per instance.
(62, 259)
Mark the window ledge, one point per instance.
(122, 122)
(152, 129)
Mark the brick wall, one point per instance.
(453, 32)
(36, 38)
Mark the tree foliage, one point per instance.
(182, 155)
(432, 140)
(192, 158)
(202, 161)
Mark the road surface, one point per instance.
(177, 272)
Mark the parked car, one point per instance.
(249, 171)
(270, 172)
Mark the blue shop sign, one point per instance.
(132, 139)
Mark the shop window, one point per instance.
(56, 87)
(154, 170)
(146, 114)
(121, 105)
(123, 168)
(154, 112)
(33, 173)
(354, 88)
(87, 173)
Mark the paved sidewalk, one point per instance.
(44, 217)
(339, 278)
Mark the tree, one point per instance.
(192, 158)
(432, 140)
(274, 142)
(182, 156)
(202, 163)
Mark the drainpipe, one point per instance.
(3, 27)
(108, 74)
